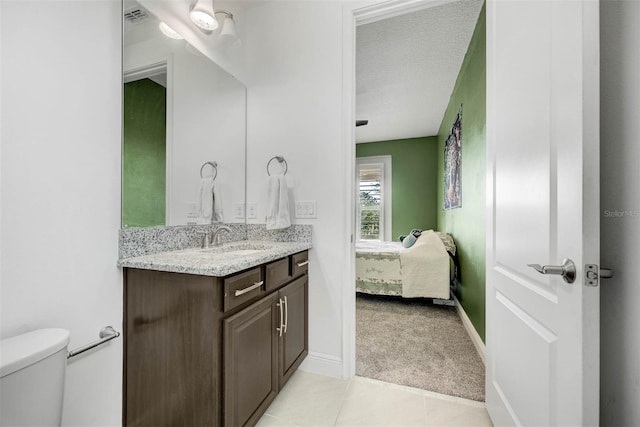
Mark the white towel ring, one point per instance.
(214, 165)
(280, 159)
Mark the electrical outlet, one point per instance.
(239, 209)
(252, 211)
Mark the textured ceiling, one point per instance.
(406, 68)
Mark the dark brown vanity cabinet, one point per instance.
(257, 363)
(210, 351)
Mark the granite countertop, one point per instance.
(223, 260)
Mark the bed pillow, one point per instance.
(410, 239)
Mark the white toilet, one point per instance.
(32, 369)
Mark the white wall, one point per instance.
(294, 76)
(620, 205)
(61, 113)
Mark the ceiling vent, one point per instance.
(136, 15)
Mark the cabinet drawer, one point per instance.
(277, 274)
(242, 287)
(299, 263)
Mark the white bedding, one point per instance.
(425, 268)
(387, 268)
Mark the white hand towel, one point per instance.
(205, 201)
(277, 203)
(217, 204)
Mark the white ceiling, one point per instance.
(145, 27)
(406, 68)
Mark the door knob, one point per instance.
(567, 270)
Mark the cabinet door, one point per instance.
(250, 362)
(294, 342)
(171, 349)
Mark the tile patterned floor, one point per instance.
(315, 400)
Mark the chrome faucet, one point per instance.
(215, 237)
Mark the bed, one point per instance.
(425, 270)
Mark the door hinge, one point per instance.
(593, 274)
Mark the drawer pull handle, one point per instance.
(303, 263)
(249, 289)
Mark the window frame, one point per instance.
(386, 196)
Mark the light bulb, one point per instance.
(203, 15)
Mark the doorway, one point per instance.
(144, 147)
(417, 147)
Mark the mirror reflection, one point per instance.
(184, 136)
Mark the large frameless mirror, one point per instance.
(184, 120)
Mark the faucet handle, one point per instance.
(206, 239)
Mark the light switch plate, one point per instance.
(306, 209)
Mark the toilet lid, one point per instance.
(23, 350)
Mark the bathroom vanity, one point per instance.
(211, 335)
(215, 347)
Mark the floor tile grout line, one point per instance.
(343, 401)
(424, 407)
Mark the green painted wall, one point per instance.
(467, 224)
(414, 166)
(144, 154)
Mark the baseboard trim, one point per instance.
(323, 364)
(471, 330)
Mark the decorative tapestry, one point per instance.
(453, 165)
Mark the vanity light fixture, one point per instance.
(169, 32)
(228, 34)
(203, 15)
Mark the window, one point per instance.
(374, 198)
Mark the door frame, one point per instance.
(355, 14)
(163, 63)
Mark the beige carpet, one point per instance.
(417, 344)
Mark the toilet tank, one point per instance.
(32, 370)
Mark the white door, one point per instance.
(542, 343)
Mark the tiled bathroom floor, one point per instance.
(315, 400)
